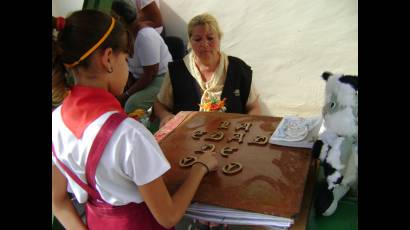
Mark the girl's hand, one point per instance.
(209, 160)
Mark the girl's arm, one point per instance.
(63, 209)
(169, 210)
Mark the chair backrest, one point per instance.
(175, 46)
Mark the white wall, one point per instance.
(288, 43)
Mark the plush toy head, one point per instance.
(340, 109)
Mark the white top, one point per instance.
(143, 3)
(149, 49)
(131, 158)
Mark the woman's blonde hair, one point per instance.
(204, 19)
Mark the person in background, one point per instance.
(148, 65)
(111, 162)
(206, 77)
(150, 15)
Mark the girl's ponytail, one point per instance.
(59, 83)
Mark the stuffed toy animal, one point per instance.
(336, 146)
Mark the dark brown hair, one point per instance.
(83, 29)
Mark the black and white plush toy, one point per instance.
(337, 144)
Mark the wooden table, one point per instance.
(176, 143)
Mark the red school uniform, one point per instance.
(79, 110)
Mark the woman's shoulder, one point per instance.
(176, 64)
(236, 61)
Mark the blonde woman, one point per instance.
(206, 75)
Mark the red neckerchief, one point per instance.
(84, 105)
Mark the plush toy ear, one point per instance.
(351, 80)
(326, 75)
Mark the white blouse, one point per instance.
(131, 158)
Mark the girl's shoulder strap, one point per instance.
(71, 174)
(97, 148)
(99, 144)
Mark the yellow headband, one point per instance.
(94, 47)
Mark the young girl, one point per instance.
(108, 161)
